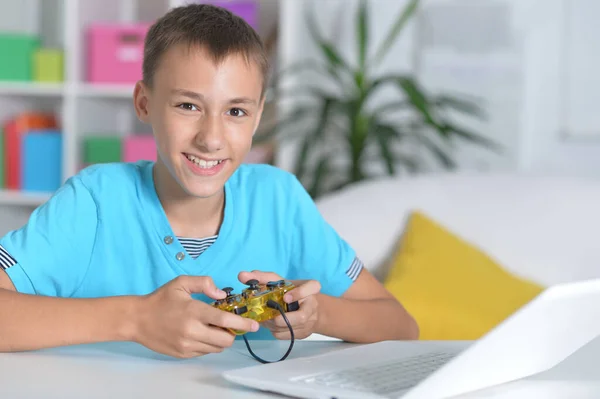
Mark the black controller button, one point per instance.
(253, 284)
(241, 310)
(227, 290)
(275, 284)
(291, 307)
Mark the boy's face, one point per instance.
(203, 116)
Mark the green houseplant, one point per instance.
(340, 133)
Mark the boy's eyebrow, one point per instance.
(199, 97)
(188, 93)
(242, 100)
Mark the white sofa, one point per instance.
(539, 227)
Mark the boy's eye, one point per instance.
(236, 112)
(188, 107)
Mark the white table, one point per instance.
(125, 370)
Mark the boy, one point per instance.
(122, 251)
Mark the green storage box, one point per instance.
(16, 56)
(48, 65)
(102, 149)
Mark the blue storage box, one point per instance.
(41, 160)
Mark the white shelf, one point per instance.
(31, 89)
(89, 90)
(105, 90)
(13, 197)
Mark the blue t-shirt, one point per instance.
(105, 233)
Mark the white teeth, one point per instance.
(202, 163)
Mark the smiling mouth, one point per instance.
(202, 163)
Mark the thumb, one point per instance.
(200, 285)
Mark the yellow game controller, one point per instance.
(258, 302)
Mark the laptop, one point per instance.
(535, 338)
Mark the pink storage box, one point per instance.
(139, 147)
(115, 52)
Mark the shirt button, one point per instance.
(168, 240)
(180, 255)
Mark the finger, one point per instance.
(205, 348)
(192, 348)
(269, 324)
(215, 339)
(283, 335)
(304, 290)
(275, 329)
(299, 333)
(298, 317)
(262, 277)
(221, 318)
(218, 337)
(201, 285)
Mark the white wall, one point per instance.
(518, 68)
(551, 141)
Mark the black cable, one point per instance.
(275, 305)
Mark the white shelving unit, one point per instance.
(81, 107)
(13, 197)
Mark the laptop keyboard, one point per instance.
(382, 378)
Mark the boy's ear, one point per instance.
(140, 102)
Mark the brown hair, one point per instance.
(213, 28)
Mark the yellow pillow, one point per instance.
(452, 289)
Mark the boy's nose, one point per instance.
(210, 137)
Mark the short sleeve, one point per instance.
(318, 251)
(50, 254)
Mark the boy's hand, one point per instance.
(171, 322)
(303, 320)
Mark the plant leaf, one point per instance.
(357, 135)
(302, 157)
(463, 105)
(318, 93)
(383, 134)
(474, 138)
(409, 162)
(334, 59)
(418, 100)
(308, 65)
(284, 124)
(363, 33)
(387, 130)
(375, 83)
(386, 134)
(311, 140)
(442, 157)
(321, 171)
(391, 106)
(372, 87)
(403, 18)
